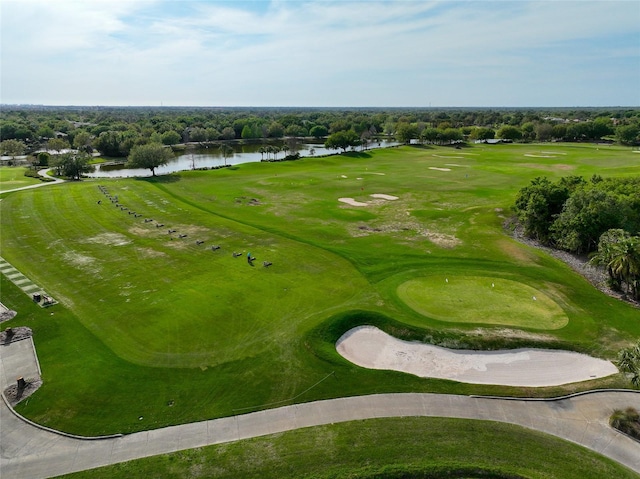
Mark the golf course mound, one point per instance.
(372, 348)
(480, 299)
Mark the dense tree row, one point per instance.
(600, 216)
(115, 131)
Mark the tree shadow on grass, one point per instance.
(170, 178)
(357, 154)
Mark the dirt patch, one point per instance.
(109, 239)
(14, 394)
(17, 334)
(139, 231)
(441, 239)
(511, 333)
(80, 261)
(149, 253)
(564, 167)
(6, 314)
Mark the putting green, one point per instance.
(480, 299)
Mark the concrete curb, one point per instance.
(557, 398)
(54, 431)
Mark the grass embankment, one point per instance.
(390, 448)
(156, 326)
(13, 177)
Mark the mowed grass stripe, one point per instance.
(195, 290)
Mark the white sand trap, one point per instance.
(384, 197)
(374, 173)
(439, 169)
(636, 151)
(352, 202)
(539, 156)
(449, 156)
(369, 347)
(343, 176)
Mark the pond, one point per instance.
(212, 157)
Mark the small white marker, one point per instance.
(446, 279)
(493, 285)
(534, 298)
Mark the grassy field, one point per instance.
(156, 326)
(13, 177)
(382, 448)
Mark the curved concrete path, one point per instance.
(31, 452)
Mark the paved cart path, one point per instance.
(28, 452)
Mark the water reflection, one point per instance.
(213, 157)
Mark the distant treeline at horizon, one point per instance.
(113, 131)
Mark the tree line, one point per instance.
(599, 217)
(115, 131)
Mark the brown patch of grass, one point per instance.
(515, 251)
(149, 253)
(109, 239)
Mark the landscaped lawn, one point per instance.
(389, 448)
(158, 327)
(13, 177)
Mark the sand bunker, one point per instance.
(352, 202)
(539, 156)
(449, 156)
(384, 197)
(439, 169)
(369, 347)
(377, 196)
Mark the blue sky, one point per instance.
(320, 53)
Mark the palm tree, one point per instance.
(269, 150)
(285, 149)
(625, 262)
(629, 361)
(608, 249)
(226, 152)
(262, 151)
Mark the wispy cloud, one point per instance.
(320, 52)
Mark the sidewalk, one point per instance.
(28, 452)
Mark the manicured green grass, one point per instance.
(389, 448)
(156, 326)
(474, 299)
(13, 177)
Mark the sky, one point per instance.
(395, 53)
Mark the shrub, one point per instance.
(627, 421)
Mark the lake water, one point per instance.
(212, 157)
